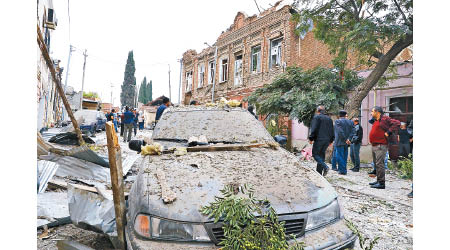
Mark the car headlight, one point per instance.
(157, 228)
(323, 216)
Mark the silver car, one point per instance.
(302, 198)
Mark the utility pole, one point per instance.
(179, 85)
(67, 76)
(82, 81)
(170, 92)
(112, 105)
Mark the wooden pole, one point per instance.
(115, 168)
(49, 62)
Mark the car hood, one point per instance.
(197, 178)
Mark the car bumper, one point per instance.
(332, 237)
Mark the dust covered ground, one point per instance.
(387, 213)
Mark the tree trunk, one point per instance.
(355, 100)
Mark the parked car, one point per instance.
(301, 197)
(93, 120)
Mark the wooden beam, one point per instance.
(60, 90)
(115, 167)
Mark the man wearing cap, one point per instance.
(343, 132)
(356, 145)
(382, 128)
(322, 135)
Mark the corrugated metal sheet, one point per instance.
(47, 170)
(84, 153)
(92, 211)
(73, 167)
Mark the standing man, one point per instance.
(356, 145)
(322, 135)
(160, 110)
(343, 132)
(113, 117)
(122, 126)
(382, 128)
(404, 139)
(141, 120)
(128, 123)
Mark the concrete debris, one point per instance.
(180, 151)
(71, 245)
(167, 195)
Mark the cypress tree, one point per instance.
(129, 83)
(149, 92)
(142, 95)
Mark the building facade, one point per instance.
(49, 103)
(250, 54)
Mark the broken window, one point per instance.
(189, 81)
(256, 59)
(201, 75)
(212, 71)
(238, 70)
(223, 73)
(275, 53)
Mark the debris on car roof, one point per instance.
(69, 138)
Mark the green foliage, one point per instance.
(90, 95)
(149, 93)
(274, 126)
(297, 93)
(405, 165)
(142, 91)
(362, 239)
(367, 28)
(129, 83)
(242, 229)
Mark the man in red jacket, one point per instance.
(382, 128)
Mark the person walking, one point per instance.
(128, 124)
(113, 117)
(141, 120)
(382, 128)
(343, 133)
(356, 145)
(404, 141)
(122, 126)
(160, 110)
(135, 121)
(321, 136)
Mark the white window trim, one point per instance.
(201, 75)
(188, 81)
(221, 75)
(212, 75)
(279, 53)
(238, 80)
(258, 65)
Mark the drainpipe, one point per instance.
(215, 74)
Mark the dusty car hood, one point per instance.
(197, 178)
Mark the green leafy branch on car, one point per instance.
(242, 229)
(364, 242)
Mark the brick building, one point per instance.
(250, 53)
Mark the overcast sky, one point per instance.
(157, 31)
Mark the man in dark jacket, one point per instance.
(383, 128)
(356, 145)
(404, 138)
(160, 110)
(128, 124)
(343, 133)
(322, 135)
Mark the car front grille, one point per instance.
(294, 227)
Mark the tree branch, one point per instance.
(403, 14)
(348, 10)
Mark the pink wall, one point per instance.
(404, 81)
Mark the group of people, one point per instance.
(128, 121)
(345, 133)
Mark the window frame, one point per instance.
(223, 76)
(211, 72)
(258, 58)
(279, 52)
(236, 72)
(189, 81)
(201, 75)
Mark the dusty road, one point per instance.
(387, 213)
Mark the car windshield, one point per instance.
(88, 115)
(218, 125)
